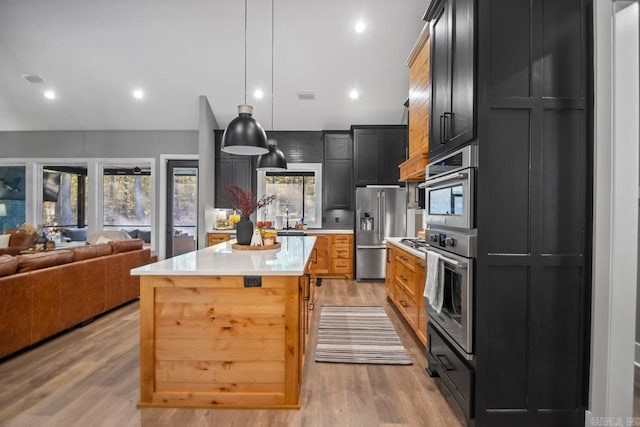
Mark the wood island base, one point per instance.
(211, 342)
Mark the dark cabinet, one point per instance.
(378, 151)
(338, 171)
(452, 71)
(231, 170)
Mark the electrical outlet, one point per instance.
(252, 281)
(336, 219)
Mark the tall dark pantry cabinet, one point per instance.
(533, 106)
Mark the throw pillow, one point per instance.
(4, 240)
(102, 239)
(145, 236)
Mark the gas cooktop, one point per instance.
(418, 244)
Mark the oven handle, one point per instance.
(432, 182)
(451, 261)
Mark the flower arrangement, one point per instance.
(244, 202)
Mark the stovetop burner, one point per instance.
(418, 244)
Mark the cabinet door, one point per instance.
(323, 254)
(440, 77)
(365, 156)
(461, 125)
(232, 170)
(224, 177)
(389, 281)
(338, 184)
(338, 146)
(393, 147)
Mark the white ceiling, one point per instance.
(93, 53)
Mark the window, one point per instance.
(127, 198)
(298, 192)
(64, 196)
(12, 197)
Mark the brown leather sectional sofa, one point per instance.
(19, 241)
(45, 293)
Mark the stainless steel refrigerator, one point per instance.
(381, 212)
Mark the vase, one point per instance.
(244, 231)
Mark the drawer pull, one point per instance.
(404, 279)
(445, 362)
(404, 303)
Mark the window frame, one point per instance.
(316, 168)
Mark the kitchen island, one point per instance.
(225, 328)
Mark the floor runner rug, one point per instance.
(362, 335)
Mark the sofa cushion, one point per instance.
(133, 233)
(30, 262)
(94, 236)
(84, 252)
(120, 246)
(8, 265)
(103, 249)
(22, 239)
(75, 234)
(4, 240)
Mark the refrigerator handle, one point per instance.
(379, 211)
(383, 218)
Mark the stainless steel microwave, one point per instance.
(450, 189)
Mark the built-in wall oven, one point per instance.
(451, 235)
(456, 250)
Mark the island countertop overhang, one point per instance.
(222, 260)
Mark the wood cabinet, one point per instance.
(378, 152)
(334, 254)
(452, 75)
(322, 253)
(404, 284)
(419, 63)
(215, 238)
(338, 171)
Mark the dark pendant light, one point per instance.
(244, 135)
(274, 160)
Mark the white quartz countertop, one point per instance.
(396, 242)
(221, 260)
(308, 231)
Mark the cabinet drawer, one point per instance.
(342, 238)
(406, 259)
(341, 250)
(451, 368)
(340, 265)
(407, 279)
(214, 239)
(407, 306)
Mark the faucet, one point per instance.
(287, 227)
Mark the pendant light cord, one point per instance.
(245, 52)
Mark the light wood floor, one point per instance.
(89, 377)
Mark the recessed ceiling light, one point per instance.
(258, 94)
(138, 94)
(49, 94)
(354, 94)
(359, 26)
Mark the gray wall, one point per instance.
(97, 143)
(206, 167)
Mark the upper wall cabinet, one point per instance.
(338, 176)
(419, 63)
(231, 170)
(452, 74)
(378, 151)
